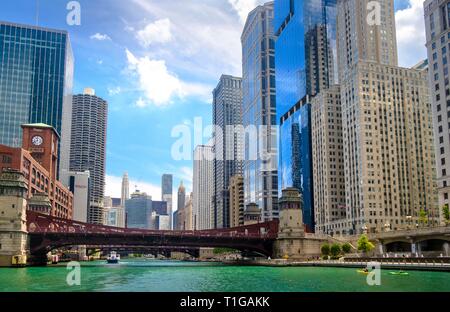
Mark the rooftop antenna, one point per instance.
(37, 12)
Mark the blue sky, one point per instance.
(156, 63)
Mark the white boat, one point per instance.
(113, 257)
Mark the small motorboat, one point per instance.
(363, 271)
(400, 273)
(113, 257)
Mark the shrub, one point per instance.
(346, 248)
(335, 250)
(325, 250)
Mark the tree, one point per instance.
(364, 244)
(446, 213)
(423, 216)
(325, 250)
(346, 248)
(335, 250)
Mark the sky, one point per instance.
(156, 62)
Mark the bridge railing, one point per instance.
(40, 223)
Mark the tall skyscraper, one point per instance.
(88, 147)
(167, 195)
(181, 196)
(387, 126)
(203, 213)
(125, 194)
(236, 190)
(259, 110)
(305, 58)
(306, 64)
(36, 78)
(228, 143)
(138, 211)
(437, 25)
(328, 162)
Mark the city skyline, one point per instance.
(108, 36)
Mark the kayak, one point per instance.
(399, 273)
(362, 272)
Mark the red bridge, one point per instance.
(47, 233)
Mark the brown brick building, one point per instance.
(37, 160)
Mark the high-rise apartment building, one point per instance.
(236, 190)
(328, 161)
(125, 192)
(36, 78)
(228, 145)
(167, 195)
(259, 110)
(386, 125)
(203, 214)
(88, 147)
(437, 25)
(78, 183)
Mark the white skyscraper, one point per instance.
(125, 189)
(203, 214)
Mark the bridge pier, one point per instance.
(13, 224)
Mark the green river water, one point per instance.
(174, 276)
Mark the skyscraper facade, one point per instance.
(203, 213)
(259, 110)
(125, 192)
(228, 143)
(306, 57)
(437, 25)
(328, 162)
(306, 64)
(181, 196)
(295, 157)
(36, 78)
(386, 124)
(138, 211)
(167, 194)
(88, 147)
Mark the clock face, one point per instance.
(37, 140)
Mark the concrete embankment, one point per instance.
(436, 266)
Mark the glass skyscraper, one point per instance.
(259, 110)
(36, 77)
(295, 156)
(305, 62)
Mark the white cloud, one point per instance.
(114, 90)
(243, 7)
(157, 32)
(114, 187)
(100, 37)
(159, 85)
(100, 62)
(411, 34)
(155, 80)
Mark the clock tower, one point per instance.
(41, 141)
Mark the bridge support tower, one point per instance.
(13, 223)
(292, 242)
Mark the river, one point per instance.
(174, 276)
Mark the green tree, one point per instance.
(335, 250)
(423, 216)
(446, 212)
(346, 248)
(325, 250)
(364, 244)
